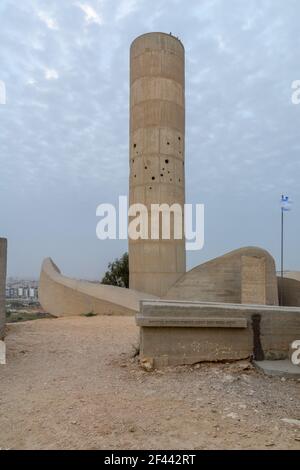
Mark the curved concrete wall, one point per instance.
(291, 289)
(246, 275)
(292, 275)
(157, 133)
(60, 295)
(3, 261)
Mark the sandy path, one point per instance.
(71, 383)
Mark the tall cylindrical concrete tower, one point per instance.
(157, 135)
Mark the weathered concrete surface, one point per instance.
(246, 275)
(60, 295)
(157, 144)
(3, 262)
(253, 279)
(177, 333)
(291, 290)
(282, 368)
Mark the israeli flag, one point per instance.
(286, 203)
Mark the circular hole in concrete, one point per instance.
(167, 161)
(153, 178)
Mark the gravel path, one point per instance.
(72, 383)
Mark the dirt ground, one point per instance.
(72, 383)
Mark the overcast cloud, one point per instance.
(64, 129)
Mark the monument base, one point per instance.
(179, 333)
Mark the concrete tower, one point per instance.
(157, 134)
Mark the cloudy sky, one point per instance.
(64, 129)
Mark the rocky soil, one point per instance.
(73, 383)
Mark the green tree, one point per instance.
(117, 273)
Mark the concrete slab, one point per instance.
(179, 333)
(283, 368)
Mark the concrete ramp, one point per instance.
(62, 296)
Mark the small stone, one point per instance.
(147, 364)
(241, 366)
(246, 378)
(228, 379)
(232, 416)
(245, 366)
(283, 379)
(242, 406)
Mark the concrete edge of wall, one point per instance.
(144, 303)
(61, 296)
